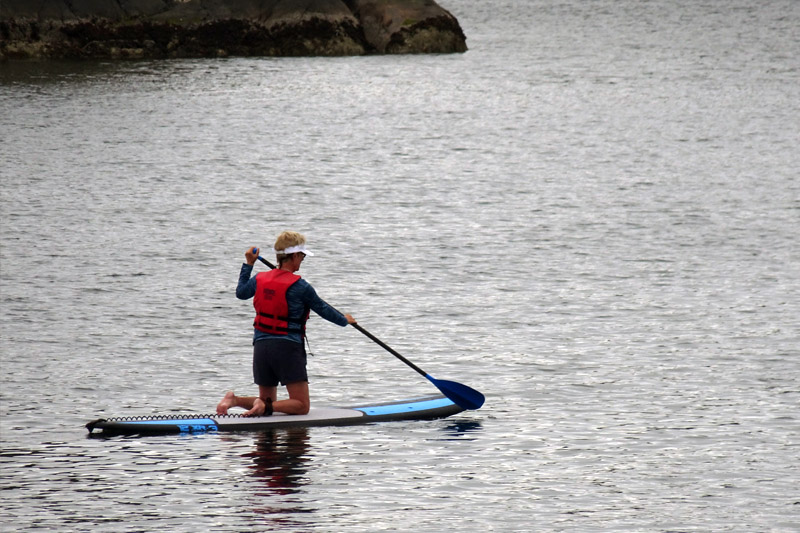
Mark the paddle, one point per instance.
(461, 395)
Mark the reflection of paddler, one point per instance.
(279, 459)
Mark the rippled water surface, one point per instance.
(591, 217)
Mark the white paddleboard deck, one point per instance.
(426, 408)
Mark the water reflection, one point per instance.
(279, 459)
(279, 465)
(462, 430)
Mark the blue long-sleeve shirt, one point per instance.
(300, 296)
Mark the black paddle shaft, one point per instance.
(389, 349)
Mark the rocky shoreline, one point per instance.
(158, 29)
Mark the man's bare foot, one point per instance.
(258, 408)
(227, 402)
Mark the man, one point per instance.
(282, 300)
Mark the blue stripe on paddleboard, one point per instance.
(184, 425)
(404, 407)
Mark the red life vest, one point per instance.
(272, 309)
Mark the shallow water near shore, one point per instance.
(591, 217)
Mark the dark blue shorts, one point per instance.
(278, 361)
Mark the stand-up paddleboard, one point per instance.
(429, 407)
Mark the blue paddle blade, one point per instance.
(460, 394)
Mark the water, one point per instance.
(591, 217)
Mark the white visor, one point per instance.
(294, 249)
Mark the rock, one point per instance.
(411, 26)
(212, 28)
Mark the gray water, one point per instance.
(591, 217)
